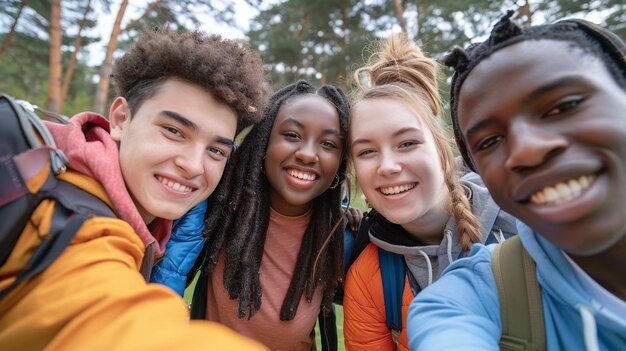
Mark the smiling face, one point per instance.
(397, 165)
(174, 149)
(303, 154)
(550, 141)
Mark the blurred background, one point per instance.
(58, 54)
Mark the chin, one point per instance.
(591, 249)
(398, 218)
(169, 215)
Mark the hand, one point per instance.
(354, 217)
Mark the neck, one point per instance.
(429, 227)
(607, 268)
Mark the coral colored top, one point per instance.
(282, 244)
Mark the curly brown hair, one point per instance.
(229, 70)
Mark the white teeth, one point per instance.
(174, 185)
(392, 190)
(563, 191)
(301, 175)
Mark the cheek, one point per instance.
(331, 166)
(214, 171)
(363, 168)
(128, 162)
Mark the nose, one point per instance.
(307, 153)
(532, 145)
(191, 161)
(388, 165)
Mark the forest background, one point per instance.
(56, 54)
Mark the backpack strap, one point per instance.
(74, 207)
(521, 311)
(393, 274)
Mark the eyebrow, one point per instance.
(395, 134)
(565, 81)
(544, 89)
(478, 126)
(301, 126)
(191, 125)
(180, 119)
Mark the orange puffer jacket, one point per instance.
(365, 325)
(93, 296)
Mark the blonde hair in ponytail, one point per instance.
(399, 69)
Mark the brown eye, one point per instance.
(487, 142)
(564, 106)
(173, 131)
(291, 136)
(328, 145)
(364, 152)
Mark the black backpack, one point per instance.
(27, 150)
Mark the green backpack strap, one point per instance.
(521, 311)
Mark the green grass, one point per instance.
(340, 344)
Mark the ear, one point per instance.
(119, 114)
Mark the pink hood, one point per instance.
(86, 142)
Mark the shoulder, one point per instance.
(366, 266)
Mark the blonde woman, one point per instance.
(424, 213)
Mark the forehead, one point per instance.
(378, 118)
(208, 114)
(302, 106)
(384, 111)
(511, 73)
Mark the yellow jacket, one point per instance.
(93, 296)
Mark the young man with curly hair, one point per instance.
(182, 97)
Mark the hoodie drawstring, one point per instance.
(430, 267)
(498, 234)
(449, 246)
(589, 327)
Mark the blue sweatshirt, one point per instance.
(461, 310)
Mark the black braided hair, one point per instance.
(590, 37)
(238, 224)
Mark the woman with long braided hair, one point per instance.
(274, 252)
(425, 215)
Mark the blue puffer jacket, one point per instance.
(181, 250)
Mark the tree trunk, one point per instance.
(100, 97)
(397, 5)
(9, 36)
(345, 80)
(69, 71)
(149, 9)
(524, 11)
(56, 63)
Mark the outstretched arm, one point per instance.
(460, 311)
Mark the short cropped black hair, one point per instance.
(596, 40)
(227, 69)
